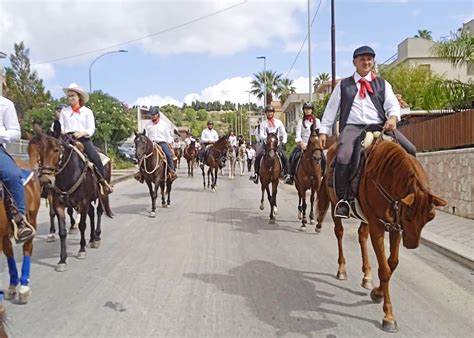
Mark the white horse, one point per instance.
(231, 159)
(242, 158)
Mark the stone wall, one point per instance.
(451, 176)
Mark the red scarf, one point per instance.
(365, 86)
(271, 122)
(309, 118)
(76, 110)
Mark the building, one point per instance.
(292, 108)
(416, 52)
(143, 117)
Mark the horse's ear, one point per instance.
(144, 131)
(438, 201)
(408, 199)
(135, 132)
(38, 130)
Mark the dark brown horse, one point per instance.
(178, 153)
(213, 161)
(152, 165)
(32, 201)
(67, 173)
(270, 171)
(190, 154)
(308, 177)
(395, 197)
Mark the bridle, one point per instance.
(143, 159)
(396, 208)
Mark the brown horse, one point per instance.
(308, 177)
(270, 170)
(178, 153)
(73, 183)
(190, 154)
(32, 201)
(394, 196)
(152, 165)
(213, 160)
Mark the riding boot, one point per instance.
(22, 229)
(105, 187)
(290, 177)
(172, 175)
(341, 176)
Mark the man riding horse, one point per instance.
(362, 99)
(270, 125)
(208, 137)
(10, 176)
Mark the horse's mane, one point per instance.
(220, 141)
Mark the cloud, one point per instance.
(156, 100)
(102, 23)
(45, 71)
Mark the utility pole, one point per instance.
(333, 47)
(309, 55)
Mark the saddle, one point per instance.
(79, 149)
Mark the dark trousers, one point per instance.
(281, 153)
(10, 175)
(294, 157)
(169, 155)
(249, 164)
(93, 154)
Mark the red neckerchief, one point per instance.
(365, 86)
(271, 122)
(309, 118)
(76, 110)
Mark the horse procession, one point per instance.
(377, 181)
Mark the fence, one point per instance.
(445, 132)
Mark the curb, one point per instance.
(448, 248)
(121, 178)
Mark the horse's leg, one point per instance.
(311, 211)
(153, 198)
(270, 201)
(59, 210)
(214, 178)
(11, 292)
(389, 324)
(162, 190)
(168, 191)
(91, 214)
(98, 227)
(302, 195)
(84, 211)
(339, 232)
(203, 177)
(24, 291)
(366, 269)
(52, 228)
(262, 206)
(300, 212)
(73, 227)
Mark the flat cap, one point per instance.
(364, 50)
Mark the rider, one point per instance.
(159, 131)
(233, 139)
(362, 99)
(250, 156)
(14, 198)
(208, 136)
(303, 132)
(189, 138)
(272, 125)
(78, 120)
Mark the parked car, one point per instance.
(127, 152)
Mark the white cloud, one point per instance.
(45, 70)
(156, 100)
(102, 24)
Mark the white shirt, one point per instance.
(250, 153)
(264, 125)
(9, 127)
(159, 132)
(83, 121)
(303, 132)
(188, 140)
(363, 110)
(176, 144)
(233, 141)
(208, 135)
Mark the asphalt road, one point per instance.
(212, 265)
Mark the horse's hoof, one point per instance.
(152, 214)
(24, 294)
(164, 205)
(51, 238)
(81, 255)
(275, 211)
(341, 275)
(213, 189)
(300, 216)
(10, 293)
(390, 326)
(73, 231)
(367, 283)
(61, 267)
(262, 207)
(375, 298)
(311, 221)
(89, 245)
(271, 221)
(303, 228)
(95, 244)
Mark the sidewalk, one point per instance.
(119, 175)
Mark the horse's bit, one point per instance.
(396, 225)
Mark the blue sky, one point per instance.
(214, 58)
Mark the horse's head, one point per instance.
(50, 156)
(313, 149)
(143, 145)
(271, 143)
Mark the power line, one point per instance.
(144, 37)
(304, 41)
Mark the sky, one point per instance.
(182, 50)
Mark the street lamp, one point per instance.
(97, 58)
(264, 79)
(248, 118)
(309, 56)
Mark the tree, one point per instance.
(24, 86)
(202, 115)
(273, 81)
(459, 50)
(320, 79)
(424, 34)
(287, 89)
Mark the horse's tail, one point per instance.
(104, 200)
(324, 200)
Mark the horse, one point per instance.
(269, 172)
(241, 158)
(32, 203)
(308, 177)
(232, 159)
(394, 196)
(213, 160)
(65, 170)
(152, 165)
(190, 154)
(178, 153)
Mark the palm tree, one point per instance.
(458, 51)
(273, 81)
(320, 79)
(424, 34)
(286, 88)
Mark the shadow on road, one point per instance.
(279, 297)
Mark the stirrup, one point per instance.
(16, 230)
(340, 205)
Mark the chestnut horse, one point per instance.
(213, 160)
(178, 153)
(190, 154)
(270, 171)
(32, 203)
(395, 196)
(308, 177)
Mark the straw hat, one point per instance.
(81, 92)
